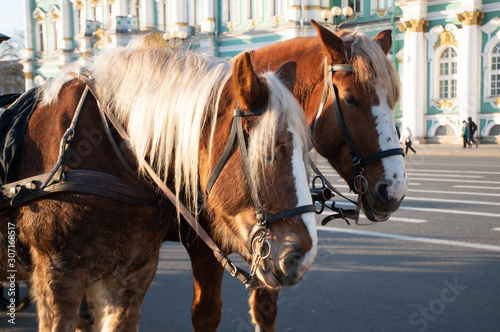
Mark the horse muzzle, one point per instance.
(379, 201)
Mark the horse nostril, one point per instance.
(293, 261)
(382, 192)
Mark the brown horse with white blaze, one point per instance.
(367, 90)
(107, 250)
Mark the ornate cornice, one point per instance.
(414, 25)
(446, 38)
(471, 18)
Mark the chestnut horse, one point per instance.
(367, 93)
(178, 111)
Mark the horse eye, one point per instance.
(350, 100)
(271, 157)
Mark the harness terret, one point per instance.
(357, 182)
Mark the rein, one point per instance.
(260, 246)
(357, 182)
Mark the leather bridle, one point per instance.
(259, 245)
(357, 182)
(257, 242)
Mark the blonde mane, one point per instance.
(370, 62)
(166, 100)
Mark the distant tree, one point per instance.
(11, 71)
(12, 49)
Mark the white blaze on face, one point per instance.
(304, 197)
(394, 166)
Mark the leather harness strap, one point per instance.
(235, 271)
(356, 182)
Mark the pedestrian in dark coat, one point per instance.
(472, 130)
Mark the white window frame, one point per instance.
(449, 76)
(40, 31)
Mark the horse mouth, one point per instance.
(266, 276)
(371, 214)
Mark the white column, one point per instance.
(67, 35)
(122, 8)
(29, 46)
(414, 76)
(293, 12)
(161, 15)
(208, 16)
(180, 16)
(470, 65)
(149, 15)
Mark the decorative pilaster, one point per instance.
(29, 46)
(208, 20)
(180, 16)
(414, 76)
(470, 63)
(149, 15)
(67, 35)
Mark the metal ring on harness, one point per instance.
(84, 71)
(360, 184)
(261, 239)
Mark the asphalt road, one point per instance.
(434, 266)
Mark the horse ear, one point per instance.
(333, 45)
(249, 90)
(384, 39)
(287, 73)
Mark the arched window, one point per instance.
(444, 131)
(495, 71)
(448, 67)
(40, 31)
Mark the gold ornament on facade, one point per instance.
(471, 18)
(95, 3)
(77, 4)
(39, 18)
(231, 25)
(445, 104)
(277, 19)
(414, 26)
(497, 102)
(446, 38)
(382, 12)
(253, 22)
(54, 16)
(102, 38)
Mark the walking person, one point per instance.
(407, 139)
(465, 133)
(472, 130)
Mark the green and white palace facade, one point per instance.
(447, 53)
